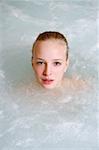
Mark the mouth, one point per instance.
(47, 81)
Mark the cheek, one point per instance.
(59, 73)
(59, 70)
(38, 70)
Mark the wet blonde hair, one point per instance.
(51, 35)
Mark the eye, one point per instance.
(57, 63)
(39, 62)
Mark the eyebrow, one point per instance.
(52, 59)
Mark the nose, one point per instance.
(47, 70)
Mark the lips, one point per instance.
(47, 81)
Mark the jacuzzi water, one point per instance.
(32, 118)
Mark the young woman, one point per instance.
(50, 60)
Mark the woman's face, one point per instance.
(49, 62)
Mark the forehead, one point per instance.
(49, 44)
(49, 49)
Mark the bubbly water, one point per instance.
(33, 118)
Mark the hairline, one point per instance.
(44, 37)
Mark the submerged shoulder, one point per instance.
(76, 84)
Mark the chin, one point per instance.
(47, 86)
(53, 86)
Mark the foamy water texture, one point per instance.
(33, 118)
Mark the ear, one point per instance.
(67, 64)
(32, 60)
